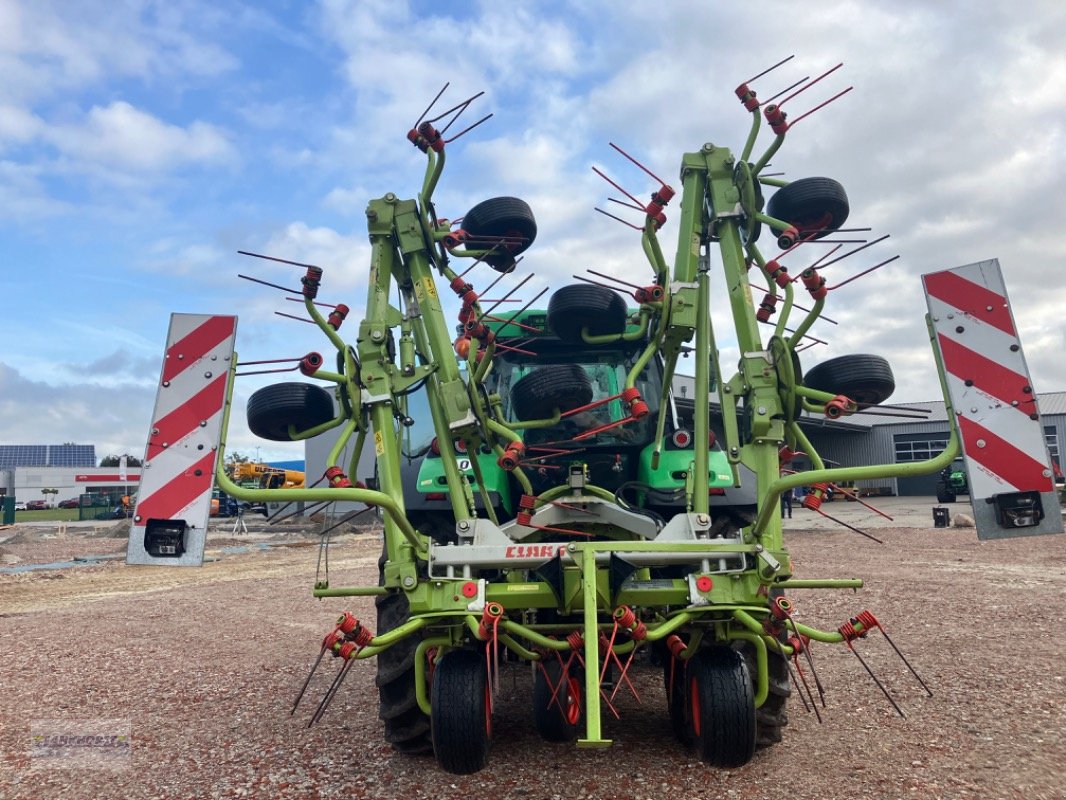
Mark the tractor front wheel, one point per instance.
(461, 718)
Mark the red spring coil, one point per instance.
(638, 409)
(311, 281)
(814, 283)
(459, 286)
(778, 273)
(337, 479)
(776, 117)
(781, 608)
(432, 137)
(786, 454)
(335, 636)
(337, 315)
(418, 141)
(847, 630)
(839, 406)
(664, 195)
(676, 645)
(813, 499)
(469, 297)
(639, 631)
(797, 643)
(310, 364)
(514, 453)
(788, 237)
(659, 220)
(625, 617)
(575, 640)
(523, 518)
(462, 347)
(747, 97)
(489, 618)
(347, 650)
(767, 307)
(362, 636)
(527, 501)
(347, 622)
(649, 294)
(868, 620)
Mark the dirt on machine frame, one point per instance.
(555, 511)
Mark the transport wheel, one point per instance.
(461, 720)
(816, 206)
(864, 378)
(272, 409)
(677, 700)
(723, 707)
(406, 727)
(506, 217)
(571, 308)
(556, 720)
(562, 386)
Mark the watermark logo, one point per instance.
(80, 744)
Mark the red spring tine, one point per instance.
(619, 219)
(279, 260)
(619, 188)
(771, 69)
(807, 86)
(864, 272)
(662, 183)
(806, 114)
(433, 103)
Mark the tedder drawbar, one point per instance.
(561, 514)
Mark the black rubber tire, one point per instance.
(501, 216)
(723, 707)
(406, 727)
(943, 494)
(461, 722)
(677, 700)
(571, 308)
(562, 386)
(866, 379)
(549, 718)
(811, 204)
(272, 409)
(772, 716)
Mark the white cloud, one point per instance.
(126, 138)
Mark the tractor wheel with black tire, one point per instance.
(272, 409)
(866, 379)
(461, 720)
(772, 716)
(944, 494)
(677, 700)
(504, 223)
(557, 709)
(406, 726)
(571, 308)
(553, 386)
(815, 206)
(723, 707)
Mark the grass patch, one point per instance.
(48, 515)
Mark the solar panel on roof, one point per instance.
(47, 455)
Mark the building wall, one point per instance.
(70, 481)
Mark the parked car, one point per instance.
(37, 505)
(20, 505)
(71, 503)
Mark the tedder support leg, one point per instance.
(592, 652)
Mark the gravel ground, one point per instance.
(200, 668)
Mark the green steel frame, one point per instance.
(719, 215)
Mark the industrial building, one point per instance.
(70, 469)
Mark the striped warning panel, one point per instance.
(179, 465)
(988, 383)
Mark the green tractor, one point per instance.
(541, 500)
(952, 482)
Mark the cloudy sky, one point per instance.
(143, 143)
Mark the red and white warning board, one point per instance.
(174, 497)
(1008, 466)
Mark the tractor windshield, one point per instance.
(604, 412)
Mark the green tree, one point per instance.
(112, 461)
